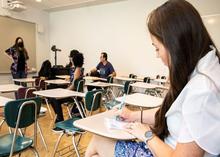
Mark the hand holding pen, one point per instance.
(122, 112)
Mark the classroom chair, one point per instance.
(93, 100)
(126, 90)
(146, 79)
(24, 93)
(79, 87)
(20, 114)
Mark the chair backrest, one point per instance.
(42, 84)
(127, 87)
(37, 81)
(79, 84)
(157, 76)
(93, 100)
(163, 77)
(22, 110)
(26, 92)
(130, 75)
(147, 79)
(110, 79)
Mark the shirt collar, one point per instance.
(205, 62)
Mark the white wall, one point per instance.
(117, 28)
(41, 18)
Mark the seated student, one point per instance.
(46, 71)
(186, 123)
(104, 69)
(72, 66)
(78, 61)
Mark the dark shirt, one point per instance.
(19, 63)
(105, 70)
(72, 70)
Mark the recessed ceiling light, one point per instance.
(38, 0)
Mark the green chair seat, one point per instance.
(112, 103)
(68, 126)
(21, 144)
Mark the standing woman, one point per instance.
(19, 55)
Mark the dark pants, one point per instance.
(57, 107)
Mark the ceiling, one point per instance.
(56, 5)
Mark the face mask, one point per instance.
(21, 44)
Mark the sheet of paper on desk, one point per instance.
(112, 123)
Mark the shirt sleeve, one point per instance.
(111, 68)
(201, 118)
(10, 51)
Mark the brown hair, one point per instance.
(179, 27)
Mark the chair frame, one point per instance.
(75, 144)
(17, 128)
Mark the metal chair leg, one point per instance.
(2, 122)
(35, 152)
(57, 144)
(41, 135)
(75, 146)
(48, 107)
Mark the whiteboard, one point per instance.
(10, 30)
(212, 23)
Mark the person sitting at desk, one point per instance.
(104, 67)
(78, 61)
(45, 72)
(186, 123)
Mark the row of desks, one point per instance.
(99, 127)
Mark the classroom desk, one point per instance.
(124, 78)
(57, 82)
(160, 80)
(59, 93)
(4, 100)
(103, 84)
(141, 100)
(63, 76)
(7, 88)
(147, 85)
(92, 78)
(97, 125)
(25, 80)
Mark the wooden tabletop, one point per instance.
(63, 76)
(25, 80)
(147, 85)
(57, 81)
(59, 93)
(97, 125)
(141, 100)
(6, 88)
(93, 78)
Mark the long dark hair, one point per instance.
(20, 49)
(45, 69)
(179, 27)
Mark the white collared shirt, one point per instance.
(195, 114)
